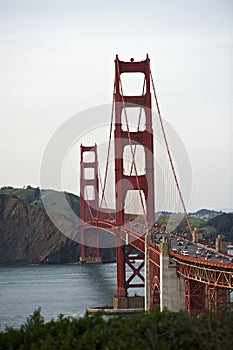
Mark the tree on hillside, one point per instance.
(224, 225)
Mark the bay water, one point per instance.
(56, 289)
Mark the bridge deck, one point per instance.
(201, 263)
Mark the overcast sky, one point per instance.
(57, 59)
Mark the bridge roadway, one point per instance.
(202, 276)
(177, 243)
(185, 247)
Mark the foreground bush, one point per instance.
(166, 330)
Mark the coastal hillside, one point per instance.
(223, 224)
(219, 224)
(28, 236)
(33, 196)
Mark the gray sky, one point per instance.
(57, 58)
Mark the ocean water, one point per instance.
(56, 289)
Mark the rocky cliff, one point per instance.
(28, 236)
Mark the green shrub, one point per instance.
(157, 330)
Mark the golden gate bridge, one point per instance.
(168, 278)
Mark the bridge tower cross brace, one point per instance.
(89, 207)
(122, 138)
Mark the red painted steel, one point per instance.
(88, 207)
(194, 296)
(201, 277)
(124, 183)
(208, 284)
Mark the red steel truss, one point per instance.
(194, 296)
(208, 285)
(131, 256)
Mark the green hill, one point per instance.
(32, 196)
(220, 224)
(223, 224)
(27, 235)
(28, 195)
(179, 223)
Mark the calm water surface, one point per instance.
(66, 289)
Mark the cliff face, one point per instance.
(28, 236)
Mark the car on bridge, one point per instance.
(185, 252)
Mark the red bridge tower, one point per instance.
(122, 138)
(89, 204)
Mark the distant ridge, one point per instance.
(226, 210)
(205, 214)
